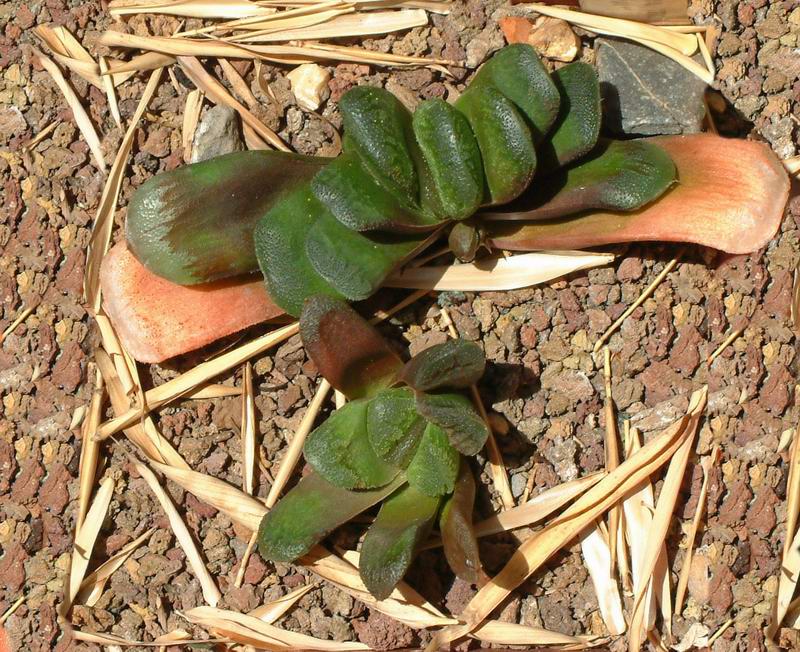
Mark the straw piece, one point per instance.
(597, 556)
(171, 638)
(612, 460)
(249, 426)
(705, 74)
(79, 113)
(111, 94)
(92, 587)
(187, 382)
(140, 63)
(725, 344)
(793, 495)
(104, 217)
(191, 116)
(211, 593)
(214, 390)
(639, 301)
(189, 8)
(271, 611)
(90, 450)
(238, 84)
(21, 317)
(10, 611)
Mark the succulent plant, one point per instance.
(339, 227)
(399, 441)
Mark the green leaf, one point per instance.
(347, 350)
(339, 450)
(464, 240)
(453, 158)
(577, 127)
(403, 523)
(455, 414)
(455, 524)
(280, 248)
(455, 364)
(434, 466)
(309, 512)
(619, 176)
(195, 224)
(394, 426)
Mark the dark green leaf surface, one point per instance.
(309, 512)
(349, 352)
(455, 364)
(394, 426)
(339, 450)
(464, 240)
(455, 414)
(195, 224)
(618, 176)
(434, 466)
(577, 127)
(455, 524)
(403, 523)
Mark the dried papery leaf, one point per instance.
(597, 556)
(90, 449)
(612, 461)
(187, 382)
(111, 94)
(362, 367)
(140, 63)
(70, 53)
(274, 609)
(404, 521)
(683, 579)
(537, 508)
(144, 434)
(213, 390)
(238, 83)
(249, 431)
(172, 638)
(85, 538)
(190, 8)
(456, 363)
(309, 512)
(234, 503)
(92, 587)
(249, 630)
(104, 216)
(191, 116)
(502, 633)
(217, 92)
(661, 521)
(713, 204)
(597, 500)
(458, 534)
(498, 273)
(211, 593)
(79, 113)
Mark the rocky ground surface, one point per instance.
(541, 377)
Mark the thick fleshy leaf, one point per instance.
(455, 524)
(618, 175)
(309, 512)
(157, 319)
(577, 127)
(455, 414)
(455, 364)
(434, 467)
(339, 450)
(347, 350)
(195, 224)
(464, 240)
(394, 426)
(730, 195)
(403, 523)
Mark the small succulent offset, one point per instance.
(517, 137)
(399, 439)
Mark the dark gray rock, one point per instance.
(646, 93)
(218, 133)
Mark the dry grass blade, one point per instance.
(787, 584)
(69, 52)
(104, 217)
(238, 83)
(725, 344)
(793, 495)
(214, 390)
(10, 611)
(84, 542)
(595, 502)
(38, 138)
(537, 508)
(249, 630)
(639, 301)
(111, 94)
(140, 63)
(202, 373)
(271, 611)
(683, 579)
(498, 273)
(113, 347)
(665, 508)
(90, 449)
(249, 426)
(612, 458)
(191, 116)
(795, 306)
(79, 113)
(702, 72)
(597, 557)
(234, 503)
(92, 587)
(211, 593)
(217, 92)
(144, 434)
(683, 43)
(171, 638)
(21, 317)
(190, 8)
(501, 633)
